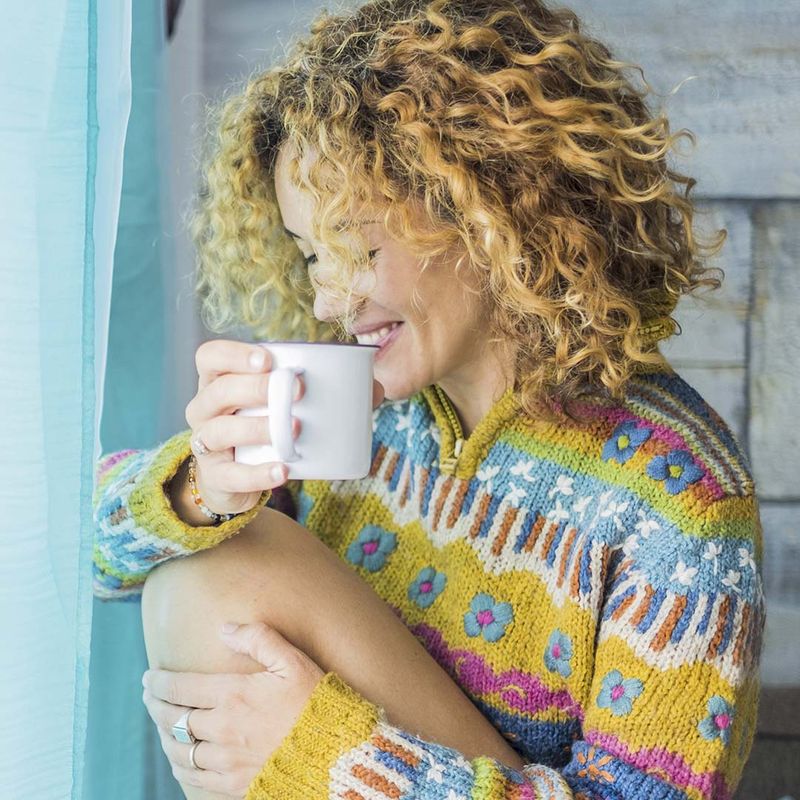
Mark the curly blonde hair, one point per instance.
(517, 136)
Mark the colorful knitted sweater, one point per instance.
(594, 587)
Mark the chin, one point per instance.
(396, 389)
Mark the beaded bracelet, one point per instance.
(198, 501)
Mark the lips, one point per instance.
(377, 336)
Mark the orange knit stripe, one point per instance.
(406, 756)
(378, 460)
(480, 516)
(505, 527)
(455, 509)
(351, 794)
(387, 475)
(375, 781)
(565, 553)
(622, 607)
(662, 637)
(548, 540)
(441, 500)
(737, 648)
(535, 531)
(713, 645)
(575, 582)
(641, 612)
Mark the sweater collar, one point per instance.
(458, 455)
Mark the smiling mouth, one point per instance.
(377, 337)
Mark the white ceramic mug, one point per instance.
(335, 411)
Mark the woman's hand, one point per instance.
(239, 718)
(227, 381)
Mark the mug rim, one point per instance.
(317, 344)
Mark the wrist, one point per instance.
(182, 500)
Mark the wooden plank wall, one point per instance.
(735, 69)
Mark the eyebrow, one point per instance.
(356, 224)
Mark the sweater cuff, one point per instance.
(335, 719)
(150, 506)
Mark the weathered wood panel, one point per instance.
(713, 323)
(741, 62)
(775, 351)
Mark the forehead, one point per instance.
(297, 203)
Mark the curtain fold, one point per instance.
(124, 758)
(62, 129)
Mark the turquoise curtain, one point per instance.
(124, 759)
(64, 103)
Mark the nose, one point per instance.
(326, 305)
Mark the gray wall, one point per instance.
(729, 72)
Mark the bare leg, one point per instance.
(275, 570)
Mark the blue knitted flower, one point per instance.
(677, 469)
(558, 653)
(487, 617)
(617, 693)
(427, 586)
(624, 441)
(371, 547)
(717, 725)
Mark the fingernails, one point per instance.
(257, 359)
(297, 388)
(229, 627)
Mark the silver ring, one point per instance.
(181, 730)
(192, 750)
(198, 447)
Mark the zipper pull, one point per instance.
(447, 466)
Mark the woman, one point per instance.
(549, 583)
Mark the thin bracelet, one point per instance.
(198, 501)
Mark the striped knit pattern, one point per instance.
(594, 587)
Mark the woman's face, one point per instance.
(437, 339)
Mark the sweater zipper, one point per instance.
(449, 462)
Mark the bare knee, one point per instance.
(244, 579)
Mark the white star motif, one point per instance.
(645, 526)
(683, 574)
(523, 469)
(516, 494)
(451, 795)
(563, 486)
(431, 431)
(711, 552)
(460, 761)
(615, 509)
(403, 422)
(732, 580)
(631, 543)
(746, 559)
(580, 505)
(436, 771)
(486, 474)
(558, 513)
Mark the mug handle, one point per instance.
(279, 402)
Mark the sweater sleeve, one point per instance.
(669, 715)
(135, 526)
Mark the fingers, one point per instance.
(190, 689)
(165, 715)
(230, 392)
(219, 356)
(214, 763)
(228, 430)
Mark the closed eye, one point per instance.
(312, 259)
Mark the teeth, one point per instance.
(376, 336)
